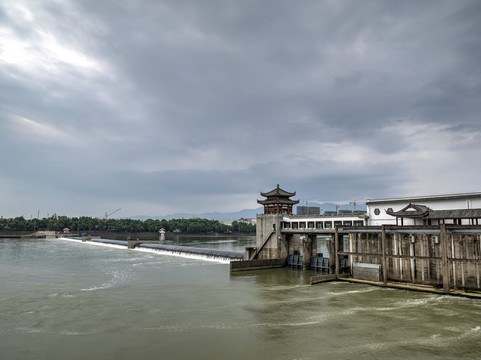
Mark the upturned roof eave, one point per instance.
(278, 201)
(278, 192)
(407, 214)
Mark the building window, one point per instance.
(389, 210)
(377, 211)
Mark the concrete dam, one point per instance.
(172, 249)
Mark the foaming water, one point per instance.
(94, 243)
(184, 255)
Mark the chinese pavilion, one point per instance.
(278, 201)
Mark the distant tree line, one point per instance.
(84, 223)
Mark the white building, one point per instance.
(321, 222)
(460, 209)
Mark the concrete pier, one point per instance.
(247, 265)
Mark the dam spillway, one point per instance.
(206, 253)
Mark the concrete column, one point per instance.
(444, 257)
(336, 251)
(306, 251)
(384, 260)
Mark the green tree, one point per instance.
(19, 223)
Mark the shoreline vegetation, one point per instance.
(85, 224)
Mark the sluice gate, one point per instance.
(445, 257)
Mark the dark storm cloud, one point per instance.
(163, 106)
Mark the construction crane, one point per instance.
(354, 203)
(336, 205)
(106, 216)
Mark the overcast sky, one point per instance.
(158, 107)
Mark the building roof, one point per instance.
(278, 192)
(461, 196)
(422, 211)
(412, 210)
(454, 214)
(278, 200)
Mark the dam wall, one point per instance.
(173, 249)
(446, 256)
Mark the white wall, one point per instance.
(457, 202)
(324, 218)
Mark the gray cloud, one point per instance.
(161, 106)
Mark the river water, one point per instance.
(70, 300)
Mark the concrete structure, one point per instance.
(446, 256)
(279, 234)
(441, 256)
(440, 249)
(323, 222)
(461, 209)
(29, 234)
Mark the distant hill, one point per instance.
(246, 213)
